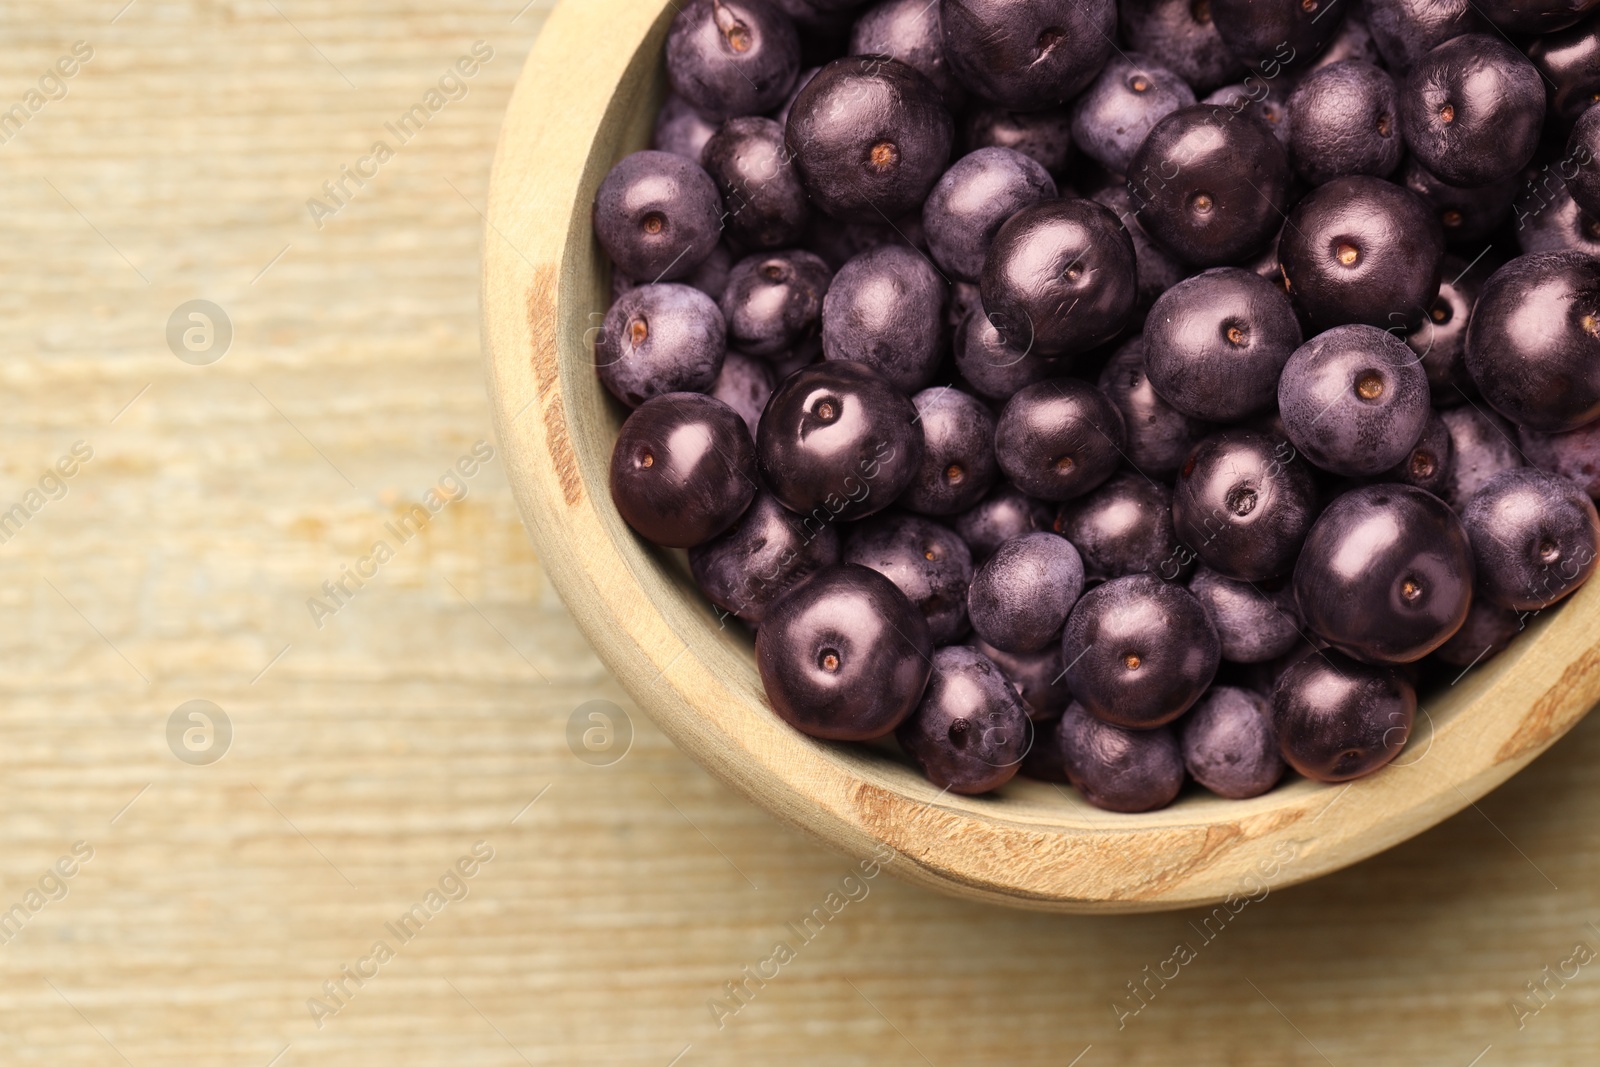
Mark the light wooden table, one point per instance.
(371, 754)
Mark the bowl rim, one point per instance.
(1035, 845)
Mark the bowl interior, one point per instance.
(1033, 844)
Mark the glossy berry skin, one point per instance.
(1244, 502)
(1112, 117)
(958, 464)
(773, 302)
(1159, 435)
(1269, 104)
(908, 30)
(1569, 62)
(844, 656)
(1215, 344)
(973, 200)
(765, 553)
(766, 203)
(969, 733)
(1345, 119)
(745, 385)
(682, 469)
(839, 442)
(1271, 36)
(1338, 719)
(1354, 400)
(1386, 574)
(1181, 35)
(1574, 454)
(1483, 444)
(1472, 110)
(1028, 55)
(1534, 345)
(1045, 136)
(1441, 341)
(1119, 769)
(1255, 621)
(885, 308)
(1535, 537)
(1022, 595)
(992, 367)
(870, 138)
(1583, 171)
(1058, 439)
(1488, 631)
(681, 130)
(1549, 220)
(1536, 16)
(1139, 651)
(658, 216)
(1407, 30)
(1004, 514)
(1230, 744)
(1124, 527)
(1467, 217)
(1036, 677)
(926, 561)
(1055, 255)
(1210, 184)
(1360, 249)
(732, 57)
(659, 339)
(1430, 464)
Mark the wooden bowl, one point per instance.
(588, 97)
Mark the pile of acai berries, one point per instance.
(1115, 393)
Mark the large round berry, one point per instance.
(1159, 435)
(1028, 54)
(1124, 527)
(1483, 445)
(1119, 769)
(1535, 537)
(885, 308)
(1406, 30)
(1255, 621)
(1115, 114)
(1244, 503)
(1566, 60)
(765, 199)
(907, 30)
(1215, 344)
(958, 464)
(1534, 345)
(973, 200)
(1006, 513)
(838, 441)
(927, 562)
(658, 216)
(1139, 651)
(732, 57)
(1058, 439)
(1020, 598)
(1386, 574)
(1473, 110)
(1271, 36)
(871, 136)
(844, 656)
(682, 469)
(1210, 184)
(1230, 744)
(773, 302)
(660, 339)
(1339, 719)
(1037, 677)
(1061, 275)
(763, 555)
(1360, 249)
(1182, 35)
(1354, 400)
(970, 731)
(1345, 119)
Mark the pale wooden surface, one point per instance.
(1029, 844)
(408, 728)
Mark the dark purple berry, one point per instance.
(1574, 454)
(1028, 56)
(1407, 30)
(1230, 745)
(958, 464)
(1354, 400)
(659, 339)
(1159, 436)
(1112, 117)
(1345, 119)
(991, 366)
(765, 553)
(732, 57)
(1441, 341)
(1139, 651)
(745, 385)
(1124, 527)
(1038, 678)
(1181, 35)
(1255, 621)
(1272, 36)
(1020, 597)
(1467, 216)
(1244, 503)
(885, 308)
(975, 197)
(1488, 631)
(681, 130)
(908, 30)
(1339, 719)
(1473, 109)
(970, 732)
(1267, 101)
(658, 216)
(765, 200)
(1549, 220)
(837, 441)
(1534, 538)
(1569, 63)
(1042, 135)
(871, 137)
(1154, 268)
(1386, 574)
(682, 469)
(1430, 463)
(773, 302)
(1118, 769)
(927, 562)
(844, 656)
(1484, 444)
(1535, 16)
(1059, 439)
(1004, 514)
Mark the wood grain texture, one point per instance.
(427, 713)
(1028, 845)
